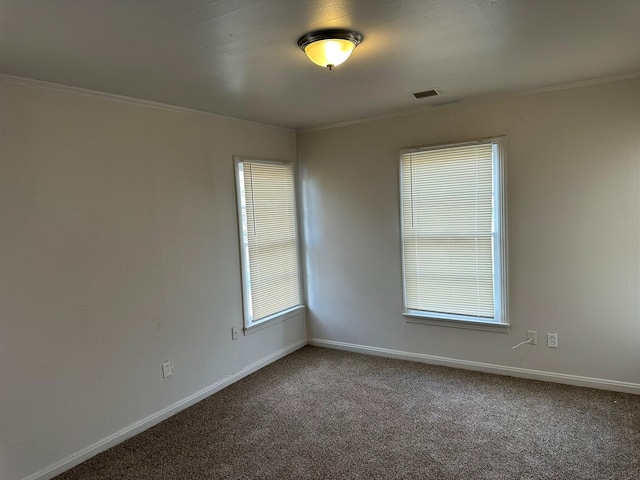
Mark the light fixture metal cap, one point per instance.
(333, 33)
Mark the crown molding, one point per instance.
(129, 100)
(476, 99)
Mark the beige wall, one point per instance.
(119, 251)
(573, 181)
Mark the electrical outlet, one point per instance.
(532, 334)
(235, 331)
(552, 340)
(166, 369)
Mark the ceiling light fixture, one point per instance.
(329, 48)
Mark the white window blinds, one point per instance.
(270, 245)
(449, 230)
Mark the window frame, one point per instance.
(500, 323)
(249, 324)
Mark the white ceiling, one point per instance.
(240, 57)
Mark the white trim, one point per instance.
(300, 227)
(577, 84)
(502, 270)
(130, 100)
(441, 146)
(249, 324)
(404, 112)
(500, 321)
(555, 377)
(470, 100)
(241, 204)
(456, 321)
(275, 318)
(155, 418)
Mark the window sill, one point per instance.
(425, 319)
(273, 319)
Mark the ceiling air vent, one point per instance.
(427, 93)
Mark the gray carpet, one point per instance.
(327, 414)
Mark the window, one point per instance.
(269, 240)
(453, 235)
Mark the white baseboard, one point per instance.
(577, 380)
(148, 422)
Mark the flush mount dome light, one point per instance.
(329, 48)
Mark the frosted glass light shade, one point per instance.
(330, 52)
(329, 48)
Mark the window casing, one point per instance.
(269, 248)
(453, 216)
